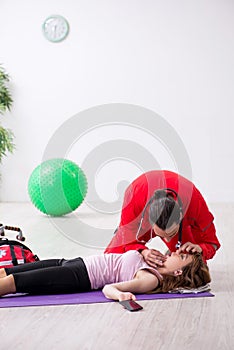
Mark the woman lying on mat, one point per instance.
(119, 274)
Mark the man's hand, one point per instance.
(153, 257)
(189, 247)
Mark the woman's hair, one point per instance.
(164, 210)
(194, 275)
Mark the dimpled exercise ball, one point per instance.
(57, 186)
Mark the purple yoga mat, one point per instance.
(16, 300)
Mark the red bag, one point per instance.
(13, 253)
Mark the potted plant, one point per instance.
(6, 135)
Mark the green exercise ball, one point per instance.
(57, 186)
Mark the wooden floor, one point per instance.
(191, 324)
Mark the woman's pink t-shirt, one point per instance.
(111, 268)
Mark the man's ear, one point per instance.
(178, 272)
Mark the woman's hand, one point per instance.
(126, 296)
(112, 292)
(190, 248)
(153, 257)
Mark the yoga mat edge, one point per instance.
(15, 300)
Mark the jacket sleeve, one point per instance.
(125, 236)
(204, 230)
(210, 242)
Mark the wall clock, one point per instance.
(55, 28)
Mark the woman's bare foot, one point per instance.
(2, 273)
(7, 285)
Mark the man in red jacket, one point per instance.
(165, 204)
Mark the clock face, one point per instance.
(55, 28)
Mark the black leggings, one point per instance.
(53, 276)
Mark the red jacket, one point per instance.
(197, 228)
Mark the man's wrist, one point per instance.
(142, 249)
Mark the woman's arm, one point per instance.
(144, 282)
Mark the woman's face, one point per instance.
(176, 262)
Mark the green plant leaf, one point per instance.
(6, 142)
(6, 135)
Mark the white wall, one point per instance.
(174, 57)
